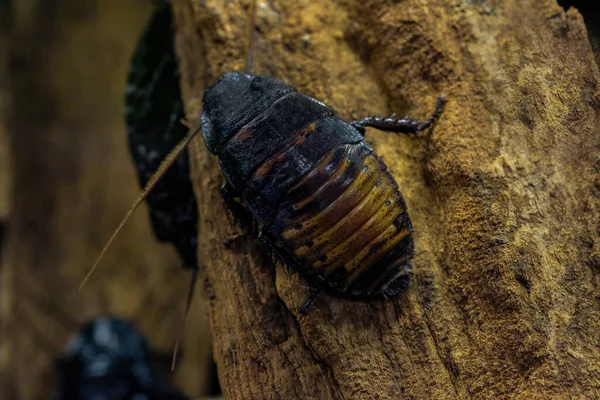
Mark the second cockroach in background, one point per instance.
(109, 359)
(153, 110)
(308, 184)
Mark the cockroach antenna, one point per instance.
(162, 169)
(188, 304)
(157, 176)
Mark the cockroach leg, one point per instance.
(240, 213)
(404, 125)
(314, 295)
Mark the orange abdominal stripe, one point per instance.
(364, 221)
(281, 155)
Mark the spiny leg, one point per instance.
(241, 214)
(314, 295)
(400, 125)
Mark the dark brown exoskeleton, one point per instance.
(324, 202)
(319, 197)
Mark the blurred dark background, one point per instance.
(66, 180)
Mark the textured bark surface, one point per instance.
(73, 181)
(503, 193)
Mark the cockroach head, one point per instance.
(233, 101)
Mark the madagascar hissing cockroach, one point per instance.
(153, 110)
(318, 196)
(322, 200)
(109, 359)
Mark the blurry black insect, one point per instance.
(153, 110)
(110, 360)
(319, 197)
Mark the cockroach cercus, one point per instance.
(307, 183)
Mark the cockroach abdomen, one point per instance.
(326, 203)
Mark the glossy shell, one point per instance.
(325, 201)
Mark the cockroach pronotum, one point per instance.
(307, 183)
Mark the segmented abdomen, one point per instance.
(327, 202)
(346, 223)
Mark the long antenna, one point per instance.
(188, 305)
(164, 166)
(251, 24)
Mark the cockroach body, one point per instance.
(325, 202)
(319, 197)
(153, 109)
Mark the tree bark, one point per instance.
(503, 193)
